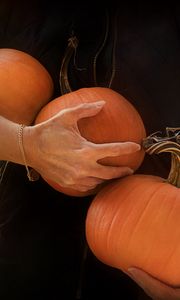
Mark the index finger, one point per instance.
(83, 110)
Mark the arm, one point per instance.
(56, 149)
(9, 146)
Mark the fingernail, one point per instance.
(100, 103)
(130, 171)
(137, 147)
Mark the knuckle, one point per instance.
(68, 179)
(121, 149)
(87, 148)
(85, 105)
(92, 187)
(79, 171)
(86, 151)
(83, 189)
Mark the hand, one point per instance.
(153, 287)
(56, 149)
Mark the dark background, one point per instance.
(43, 252)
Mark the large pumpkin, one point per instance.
(118, 121)
(135, 221)
(26, 86)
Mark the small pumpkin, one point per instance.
(135, 221)
(118, 121)
(26, 86)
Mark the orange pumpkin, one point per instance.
(118, 121)
(26, 86)
(135, 221)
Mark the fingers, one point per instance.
(82, 188)
(91, 181)
(108, 172)
(103, 174)
(153, 287)
(84, 184)
(73, 114)
(115, 149)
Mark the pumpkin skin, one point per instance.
(135, 221)
(26, 86)
(118, 121)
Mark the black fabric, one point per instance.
(147, 67)
(43, 252)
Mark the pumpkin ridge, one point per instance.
(125, 224)
(108, 241)
(150, 199)
(109, 245)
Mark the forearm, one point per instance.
(9, 144)
(56, 149)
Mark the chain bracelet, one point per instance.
(31, 173)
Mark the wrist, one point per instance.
(28, 140)
(25, 138)
(13, 138)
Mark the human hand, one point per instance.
(56, 149)
(153, 287)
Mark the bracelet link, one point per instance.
(32, 174)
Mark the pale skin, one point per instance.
(56, 149)
(154, 288)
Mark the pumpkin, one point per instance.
(118, 121)
(135, 221)
(26, 86)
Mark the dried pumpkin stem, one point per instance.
(155, 144)
(63, 76)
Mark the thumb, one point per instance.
(154, 288)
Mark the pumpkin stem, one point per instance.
(63, 76)
(155, 144)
